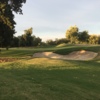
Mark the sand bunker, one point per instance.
(76, 55)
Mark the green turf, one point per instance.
(66, 50)
(23, 52)
(48, 79)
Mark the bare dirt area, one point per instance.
(7, 60)
(76, 55)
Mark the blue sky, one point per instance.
(51, 18)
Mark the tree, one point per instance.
(6, 25)
(28, 37)
(72, 34)
(15, 42)
(94, 39)
(83, 36)
(50, 42)
(7, 28)
(61, 40)
(15, 5)
(37, 41)
(21, 41)
(99, 39)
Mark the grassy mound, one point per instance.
(66, 50)
(61, 45)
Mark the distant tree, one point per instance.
(61, 40)
(83, 36)
(72, 34)
(43, 44)
(15, 42)
(37, 41)
(99, 39)
(94, 39)
(28, 37)
(50, 42)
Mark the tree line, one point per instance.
(7, 29)
(26, 39)
(56, 41)
(74, 36)
(29, 40)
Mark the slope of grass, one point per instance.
(93, 48)
(27, 52)
(24, 52)
(50, 80)
(66, 50)
(64, 45)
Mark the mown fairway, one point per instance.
(30, 78)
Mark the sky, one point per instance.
(51, 18)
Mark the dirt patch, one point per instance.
(76, 55)
(7, 60)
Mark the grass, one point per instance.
(66, 50)
(48, 79)
(64, 45)
(23, 52)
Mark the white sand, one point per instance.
(76, 55)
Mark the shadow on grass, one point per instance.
(19, 81)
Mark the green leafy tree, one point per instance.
(83, 36)
(22, 42)
(15, 5)
(50, 42)
(94, 39)
(72, 34)
(7, 28)
(15, 42)
(99, 39)
(28, 37)
(61, 40)
(37, 41)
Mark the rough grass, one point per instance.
(48, 79)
